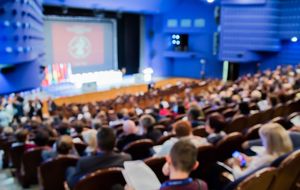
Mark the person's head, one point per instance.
(129, 127)
(255, 95)
(244, 108)
(273, 100)
(183, 157)
(41, 137)
(22, 135)
(147, 121)
(78, 126)
(90, 138)
(215, 123)
(106, 139)
(64, 145)
(275, 139)
(194, 113)
(182, 128)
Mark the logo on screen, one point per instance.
(79, 47)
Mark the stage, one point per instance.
(68, 93)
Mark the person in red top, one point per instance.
(180, 163)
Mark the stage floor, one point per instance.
(69, 89)
(72, 95)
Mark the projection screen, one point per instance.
(87, 44)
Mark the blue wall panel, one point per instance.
(201, 40)
(260, 32)
(249, 32)
(21, 44)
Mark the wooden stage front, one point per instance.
(110, 94)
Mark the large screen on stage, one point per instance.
(87, 44)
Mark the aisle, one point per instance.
(7, 182)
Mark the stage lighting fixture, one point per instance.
(8, 49)
(210, 1)
(294, 39)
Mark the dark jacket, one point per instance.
(126, 139)
(90, 164)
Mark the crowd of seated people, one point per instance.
(107, 127)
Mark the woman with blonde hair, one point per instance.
(276, 142)
(90, 138)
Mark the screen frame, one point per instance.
(91, 19)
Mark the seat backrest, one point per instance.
(259, 180)
(101, 179)
(255, 119)
(200, 131)
(206, 158)
(229, 112)
(31, 160)
(267, 115)
(283, 122)
(288, 172)
(52, 172)
(292, 115)
(252, 132)
(156, 164)
(159, 127)
(16, 154)
(164, 138)
(278, 110)
(238, 124)
(139, 149)
(229, 144)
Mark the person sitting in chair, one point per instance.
(104, 158)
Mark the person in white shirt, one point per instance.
(276, 142)
(182, 130)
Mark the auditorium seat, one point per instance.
(200, 131)
(52, 172)
(165, 121)
(261, 180)
(278, 110)
(5, 145)
(228, 145)
(295, 106)
(267, 115)
(230, 112)
(139, 149)
(101, 179)
(254, 119)
(156, 164)
(159, 127)
(16, 154)
(283, 122)
(252, 132)
(30, 162)
(164, 138)
(292, 115)
(238, 124)
(207, 161)
(287, 172)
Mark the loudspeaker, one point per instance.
(8, 70)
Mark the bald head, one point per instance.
(129, 127)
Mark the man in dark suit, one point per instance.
(105, 158)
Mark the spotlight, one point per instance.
(294, 39)
(210, 1)
(173, 41)
(173, 36)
